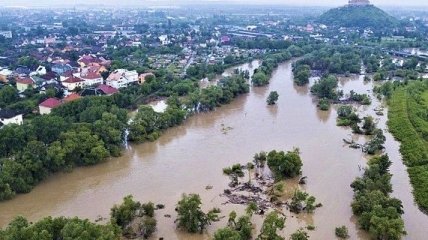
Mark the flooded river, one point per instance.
(190, 157)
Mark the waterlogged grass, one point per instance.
(408, 122)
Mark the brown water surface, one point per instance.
(188, 158)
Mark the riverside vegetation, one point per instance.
(377, 212)
(407, 122)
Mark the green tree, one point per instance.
(369, 125)
(324, 104)
(244, 227)
(299, 235)
(8, 95)
(124, 213)
(302, 72)
(190, 217)
(229, 59)
(285, 165)
(227, 234)
(326, 88)
(342, 232)
(302, 201)
(260, 79)
(272, 98)
(272, 223)
(148, 226)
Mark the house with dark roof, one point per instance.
(10, 117)
(61, 68)
(91, 92)
(22, 70)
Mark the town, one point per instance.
(100, 103)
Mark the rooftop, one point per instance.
(72, 97)
(5, 113)
(107, 89)
(73, 79)
(50, 103)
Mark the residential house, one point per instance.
(71, 97)
(107, 90)
(41, 70)
(55, 85)
(122, 78)
(73, 82)
(10, 117)
(142, 78)
(91, 92)
(4, 75)
(22, 70)
(61, 68)
(23, 84)
(164, 40)
(46, 106)
(88, 59)
(6, 34)
(90, 75)
(225, 39)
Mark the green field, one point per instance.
(408, 122)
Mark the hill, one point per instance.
(358, 16)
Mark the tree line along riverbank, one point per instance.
(408, 123)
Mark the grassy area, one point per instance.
(408, 122)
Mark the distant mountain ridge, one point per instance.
(358, 16)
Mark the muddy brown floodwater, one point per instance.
(188, 158)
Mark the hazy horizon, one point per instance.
(55, 3)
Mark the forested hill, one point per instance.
(358, 16)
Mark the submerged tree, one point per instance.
(369, 125)
(299, 235)
(190, 215)
(272, 98)
(302, 201)
(285, 165)
(123, 214)
(272, 223)
(260, 79)
(342, 232)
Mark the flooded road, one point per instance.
(190, 157)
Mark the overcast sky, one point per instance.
(177, 2)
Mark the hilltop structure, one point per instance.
(358, 14)
(358, 2)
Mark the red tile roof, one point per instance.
(73, 79)
(49, 76)
(72, 97)
(108, 90)
(27, 81)
(50, 103)
(91, 75)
